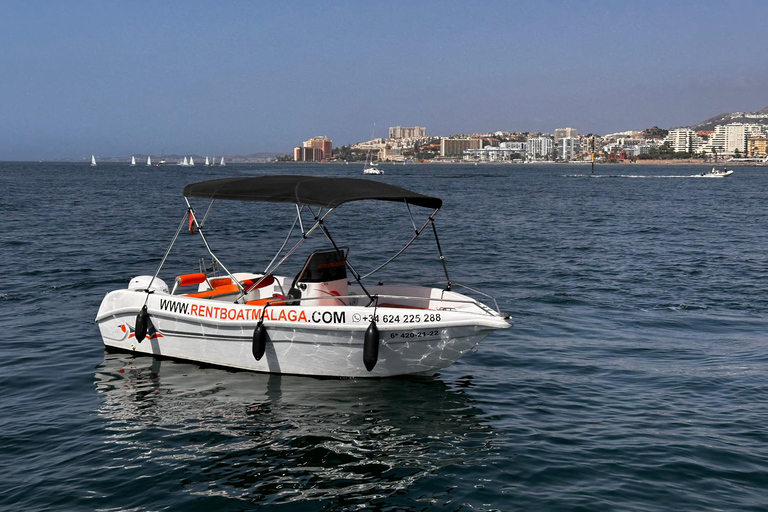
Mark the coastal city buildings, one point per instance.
(316, 149)
(730, 138)
(733, 140)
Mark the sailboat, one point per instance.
(133, 161)
(222, 164)
(184, 162)
(369, 167)
(207, 164)
(191, 162)
(93, 161)
(149, 161)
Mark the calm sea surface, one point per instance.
(635, 377)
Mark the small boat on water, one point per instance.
(133, 161)
(149, 161)
(370, 167)
(714, 173)
(324, 320)
(93, 161)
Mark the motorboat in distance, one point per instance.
(714, 173)
(325, 320)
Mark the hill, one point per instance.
(759, 117)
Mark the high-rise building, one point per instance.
(561, 133)
(404, 132)
(323, 143)
(305, 154)
(568, 147)
(728, 138)
(684, 140)
(456, 147)
(539, 147)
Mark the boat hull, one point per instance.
(320, 341)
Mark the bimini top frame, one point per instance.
(307, 191)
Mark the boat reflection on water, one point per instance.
(256, 436)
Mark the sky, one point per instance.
(115, 78)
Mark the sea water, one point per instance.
(635, 377)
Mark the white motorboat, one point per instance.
(714, 173)
(316, 323)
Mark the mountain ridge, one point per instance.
(757, 117)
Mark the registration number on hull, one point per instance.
(414, 334)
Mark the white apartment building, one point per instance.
(519, 147)
(568, 147)
(492, 154)
(538, 148)
(684, 140)
(730, 137)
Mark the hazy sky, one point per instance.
(115, 78)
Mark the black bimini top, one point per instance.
(306, 190)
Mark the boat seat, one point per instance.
(324, 274)
(225, 287)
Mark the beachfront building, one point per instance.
(684, 140)
(493, 154)
(407, 132)
(305, 154)
(632, 147)
(757, 146)
(568, 147)
(323, 143)
(728, 138)
(539, 148)
(456, 147)
(390, 153)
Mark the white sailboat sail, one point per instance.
(222, 162)
(133, 160)
(191, 162)
(93, 161)
(149, 161)
(206, 162)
